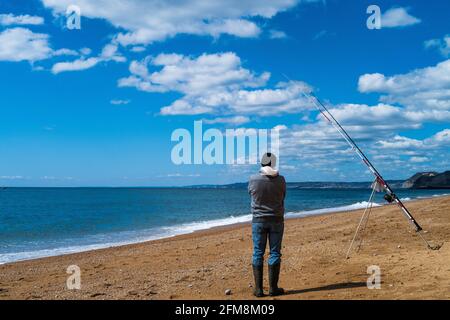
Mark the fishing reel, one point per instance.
(380, 186)
(389, 197)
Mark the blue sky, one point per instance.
(97, 106)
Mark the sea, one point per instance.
(41, 222)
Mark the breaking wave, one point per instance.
(101, 241)
(130, 237)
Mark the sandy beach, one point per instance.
(204, 264)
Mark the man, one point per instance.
(267, 190)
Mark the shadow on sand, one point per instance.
(337, 286)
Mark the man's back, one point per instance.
(268, 193)
(268, 190)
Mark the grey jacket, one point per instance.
(267, 193)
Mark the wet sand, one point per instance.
(204, 264)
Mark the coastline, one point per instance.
(204, 263)
(123, 238)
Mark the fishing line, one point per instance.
(390, 196)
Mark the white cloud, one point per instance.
(146, 21)
(21, 44)
(384, 117)
(76, 65)
(424, 89)
(442, 45)
(71, 52)
(398, 17)
(191, 75)
(236, 120)
(53, 178)
(316, 147)
(420, 96)
(436, 77)
(138, 49)
(286, 97)
(320, 34)
(399, 142)
(10, 19)
(427, 116)
(277, 34)
(359, 114)
(214, 83)
(65, 52)
(179, 175)
(12, 177)
(375, 129)
(119, 102)
(442, 137)
(109, 53)
(438, 141)
(219, 84)
(419, 159)
(85, 51)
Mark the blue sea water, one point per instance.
(39, 222)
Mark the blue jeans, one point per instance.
(260, 232)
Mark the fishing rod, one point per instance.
(390, 196)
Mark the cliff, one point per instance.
(428, 180)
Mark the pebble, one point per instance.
(228, 292)
(399, 246)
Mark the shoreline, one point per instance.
(244, 219)
(202, 264)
